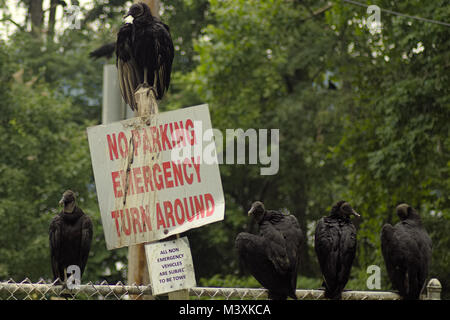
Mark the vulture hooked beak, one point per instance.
(356, 214)
(68, 201)
(128, 17)
(257, 207)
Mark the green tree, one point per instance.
(264, 65)
(49, 99)
(376, 137)
(396, 124)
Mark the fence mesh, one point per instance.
(42, 290)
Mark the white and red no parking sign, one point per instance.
(151, 180)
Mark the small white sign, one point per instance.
(170, 265)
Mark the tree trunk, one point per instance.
(52, 19)
(37, 15)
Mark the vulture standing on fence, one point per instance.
(70, 236)
(272, 257)
(145, 53)
(335, 246)
(406, 249)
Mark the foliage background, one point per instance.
(363, 116)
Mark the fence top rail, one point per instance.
(42, 290)
(256, 293)
(118, 290)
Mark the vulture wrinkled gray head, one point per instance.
(405, 211)
(138, 10)
(344, 209)
(68, 200)
(257, 210)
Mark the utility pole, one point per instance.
(138, 270)
(114, 109)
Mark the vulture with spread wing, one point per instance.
(70, 236)
(145, 52)
(272, 257)
(406, 249)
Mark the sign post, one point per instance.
(151, 177)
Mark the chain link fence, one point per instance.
(41, 290)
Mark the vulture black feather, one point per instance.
(272, 257)
(70, 236)
(105, 51)
(145, 52)
(406, 249)
(335, 246)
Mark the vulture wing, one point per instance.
(291, 231)
(425, 247)
(276, 248)
(395, 249)
(129, 78)
(293, 235)
(347, 253)
(165, 53)
(252, 253)
(326, 245)
(55, 246)
(388, 250)
(106, 51)
(86, 240)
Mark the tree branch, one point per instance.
(22, 28)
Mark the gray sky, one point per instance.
(18, 12)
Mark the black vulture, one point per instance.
(335, 246)
(406, 249)
(70, 236)
(145, 53)
(272, 257)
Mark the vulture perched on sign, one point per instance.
(145, 52)
(272, 257)
(406, 249)
(335, 246)
(70, 236)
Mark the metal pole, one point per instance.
(113, 106)
(434, 289)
